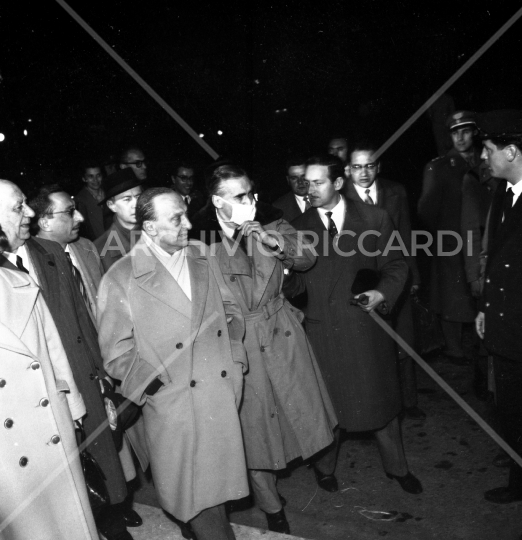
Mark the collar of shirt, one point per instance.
(362, 191)
(26, 260)
(300, 202)
(517, 190)
(337, 214)
(227, 228)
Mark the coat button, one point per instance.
(219, 333)
(487, 304)
(55, 439)
(179, 345)
(232, 278)
(276, 331)
(44, 402)
(91, 376)
(223, 373)
(2, 383)
(262, 349)
(23, 461)
(192, 384)
(288, 333)
(8, 424)
(488, 280)
(79, 339)
(35, 365)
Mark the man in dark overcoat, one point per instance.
(46, 263)
(295, 202)
(499, 321)
(356, 355)
(365, 185)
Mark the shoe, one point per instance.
(502, 495)
(502, 460)
(408, 482)
(277, 522)
(414, 413)
(282, 500)
(328, 482)
(132, 518)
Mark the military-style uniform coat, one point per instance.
(502, 296)
(439, 208)
(286, 411)
(357, 357)
(38, 402)
(80, 341)
(391, 196)
(149, 329)
(115, 243)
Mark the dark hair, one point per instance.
(41, 203)
(334, 164)
(127, 151)
(4, 243)
(294, 161)
(145, 205)
(362, 145)
(90, 164)
(182, 165)
(502, 142)
(221, 174)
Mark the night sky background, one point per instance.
(334, 68)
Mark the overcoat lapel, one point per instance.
(262, 272)
(198, 268)
(502, 230)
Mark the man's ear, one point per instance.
(511, 152)
(149, 228)
(338, 184)
(43, 223)
(217, 201)
(110, 205)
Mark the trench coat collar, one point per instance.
(155, 279)
(198, 269)
(17, 308)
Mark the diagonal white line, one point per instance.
(111, 52)
(449, 82)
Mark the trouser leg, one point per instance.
(212, 524)
(408, 382)
(389, 442)
(453, 337)
(110, 520)
(326, 460)
(265, 490)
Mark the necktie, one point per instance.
(79, 281)
(332, 229)
(507, 203)
(368, 199)
(307, 203)
(242, 242)
(186, 199)
(20, 264)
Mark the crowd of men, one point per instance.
(239, 331)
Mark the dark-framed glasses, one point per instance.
(367, 166)
(297, 178)
(139, 163)
(69, 211)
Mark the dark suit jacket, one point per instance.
(502, 297)
(80, 341)
(289, 206)
(356, 356)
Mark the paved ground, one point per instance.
(448, 452)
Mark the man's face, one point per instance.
(234, 191)
(495, 159)
(296, 180)
(323, 193)
(15, 215)
(93, 178)
(363, 168)
(463, 138)
(171, 227)
(339, 148)
(124, 206)
(63, 225)
(136, 161)
(183, 181)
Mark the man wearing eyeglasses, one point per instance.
(365, 184)
(46, 262)
(294, 203)
(183, 184)
(134, 159)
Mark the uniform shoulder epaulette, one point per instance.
(438, 158)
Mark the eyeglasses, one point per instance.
(297, 178)
(139, 164)
(184, 178)
(70, 211)
(368, 166)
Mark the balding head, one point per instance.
(15, 215)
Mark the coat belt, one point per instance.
(269, 309)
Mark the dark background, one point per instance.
(334, 68)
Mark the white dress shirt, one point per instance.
(362, 192)
(337, 214)
(23, 253)
(516, 189)
(300, 202)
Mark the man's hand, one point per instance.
(374, 299)
(475, 288)
(255, 229)
(414, 289)
(480, 324)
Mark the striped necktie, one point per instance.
(79, 281)
(368, 199)
(307, 203)
(332, 229)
